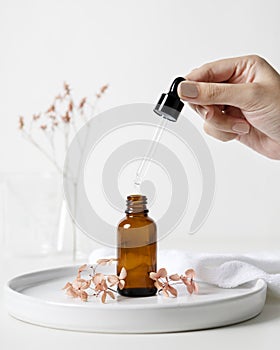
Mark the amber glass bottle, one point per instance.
(137, 248)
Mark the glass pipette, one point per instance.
(146, 161)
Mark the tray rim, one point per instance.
(259, 286)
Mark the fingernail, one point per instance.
(188, 89)
(241, 128)
(202, 111)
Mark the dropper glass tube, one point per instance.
(146, 161)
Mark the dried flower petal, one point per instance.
(67, 285)
(190, 273)
(122, 274)
(111, 294)
(103, 298)
(174, 277)
(70, 106)
(51, 109)
(158, 285)
(153, 275)
(172, 290)
(104, 88)
(121, 284)
(82, 268)
(71, 292)
(82, 102)
(113, 280)
(98, 278)
(83, 295)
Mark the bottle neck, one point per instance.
(136, 205)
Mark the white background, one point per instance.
(138, 48)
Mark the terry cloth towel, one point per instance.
(222, 270)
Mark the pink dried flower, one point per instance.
(66, 118)
(118, 280)
(51, 109)
(66, 88)
(43, 126)
(162, 283)
(101, 287)
(102, 90)
(77, 288)
(36, 116)
(82, 103)
(188, 280)
(162, 273)
(70, 106)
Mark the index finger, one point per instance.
(216, 72)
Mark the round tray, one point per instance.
(38, 298)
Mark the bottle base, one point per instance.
(137, 292)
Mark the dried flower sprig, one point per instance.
(163, 282)
(63, 117)
(96, 284)
(99, 284)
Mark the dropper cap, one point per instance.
(169, 105)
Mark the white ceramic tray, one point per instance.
(37, 298)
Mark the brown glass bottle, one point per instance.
(137, 248)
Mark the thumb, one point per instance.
(237, 95)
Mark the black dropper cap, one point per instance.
(169, 105)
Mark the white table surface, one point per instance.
(259, 333)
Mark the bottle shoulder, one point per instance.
(135, 221)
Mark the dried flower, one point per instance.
(162, 282)
(77, 288)
(118, 280)
(43, 126)
(36, 116)
(66, 118)
(82, 102)
(188, 280)
(51, 109)
(66, 88)
(102, 287)
(102, 90)
(21, 123)
(70, 106)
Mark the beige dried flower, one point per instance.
(70, 106)
(36, 116)
(77, 288)
(188, 280)
(21, 123)
(66, 118)
(118, 280)
(51, 109)
(66, 88)
(102, 287)
(102, 90)
(82, 102)
(162, 283)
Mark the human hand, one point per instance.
(239, 98)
